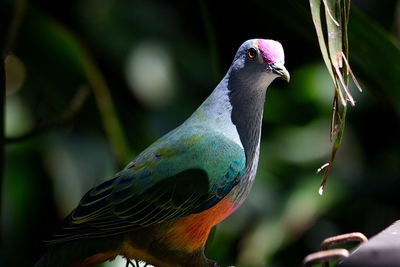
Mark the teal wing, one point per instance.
(184, 172)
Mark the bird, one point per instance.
(161, 207)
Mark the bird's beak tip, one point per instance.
(280, 70)
(286, 76)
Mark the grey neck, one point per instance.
(247, 112)
(235, 108)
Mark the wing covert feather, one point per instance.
(182, 173)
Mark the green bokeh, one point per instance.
(284, 218)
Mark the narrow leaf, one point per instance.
(334, 32)
(315, 6)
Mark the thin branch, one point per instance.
(326, 173)
(76, 103)
(322, 167)
(105, 105)
(64, 118)
(334, 150)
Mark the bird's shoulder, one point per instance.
(188, 170)
(185, 148)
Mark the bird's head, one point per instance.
(260, 61)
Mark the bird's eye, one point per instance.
(252, 53)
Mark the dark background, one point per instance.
(71, 59)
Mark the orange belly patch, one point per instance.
(191, 232)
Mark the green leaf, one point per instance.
(315, 6)
(332, 15)
(336, 16)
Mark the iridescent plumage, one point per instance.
(161, 207)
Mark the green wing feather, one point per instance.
(187, 171)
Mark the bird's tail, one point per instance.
(59, 255)
(77, 251)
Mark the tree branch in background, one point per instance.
(104, 103)
(334, 49)
(108, 114)
(101, 92)
(65, 117)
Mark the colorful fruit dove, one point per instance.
(161, 206)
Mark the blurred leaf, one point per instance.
(67, 43)
(376, 58)
(300, 210)
(75, 164)
(301, 144)
(279, 223)
(332, 15)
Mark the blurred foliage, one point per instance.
(179, 50)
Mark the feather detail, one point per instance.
(190, 233)
(162, 206)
